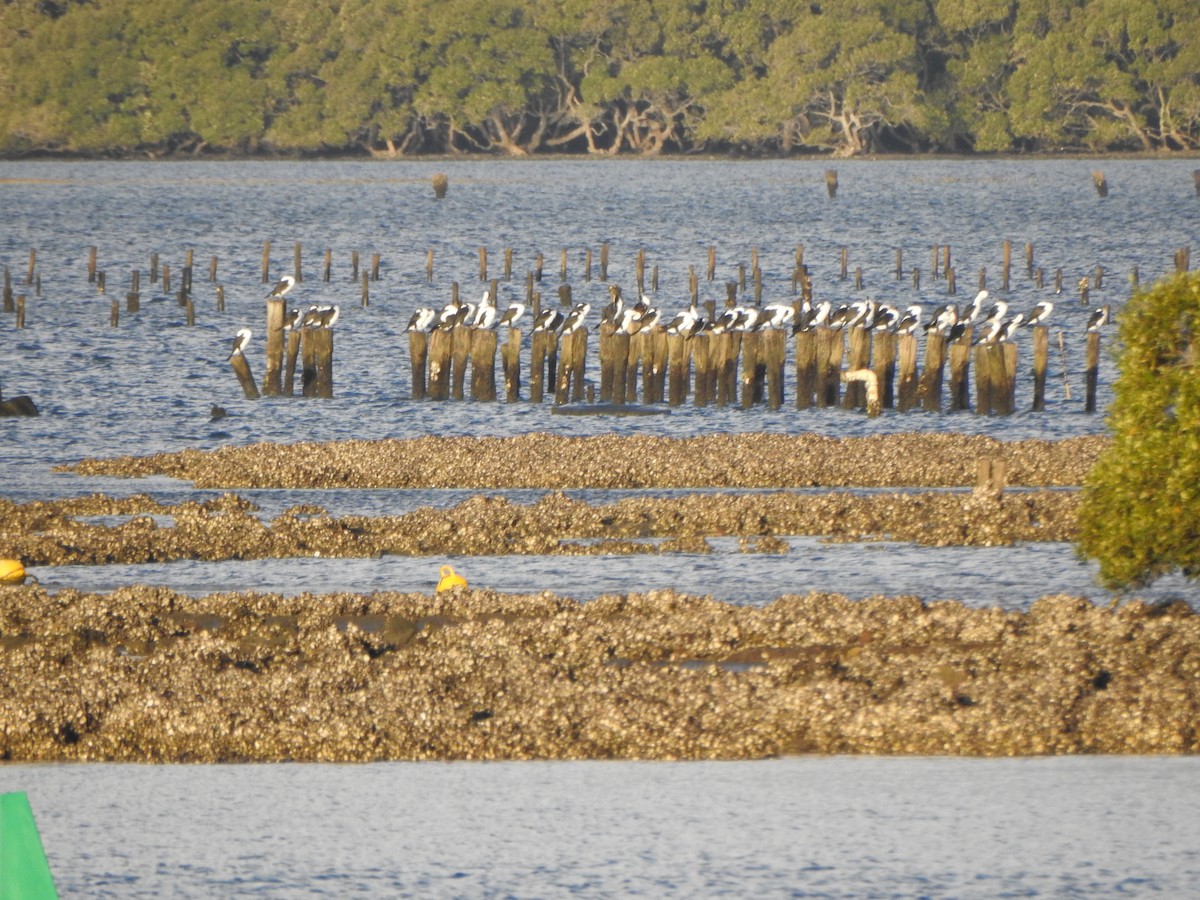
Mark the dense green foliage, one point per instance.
(1141, 512)
(598, 76)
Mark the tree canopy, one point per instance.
(518, 77)
(1140, 516)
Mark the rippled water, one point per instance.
(815, 827)
(800, 827)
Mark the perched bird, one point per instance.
(686, 322)
(240, 342)
(576, 318)
(549, 319)
(886, 319)
(1099, 318)
(290, 318)
(839, 317)
(1040, 313)
(1009, 328)
(613, 309)
(424, 319)
(777, 315)
(975, 310)
(944, 318)
(998, 311)
(511, 316)
(989, 331)
(485, 312)
(320, 317)
(282, 286)
(910, 320)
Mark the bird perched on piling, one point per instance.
(290, 318)
(1040, 313)
(240, 342)
(282, 286)
(576, 318)
(320, 317)
(511, 316)
(423, 319)
(1099, 318)
(484, 315)
(615, 306)
(910, 320)
(975, 309)
(1009, 329)
(998, 310)
(943, 319)
(686, 322)
(549, 319)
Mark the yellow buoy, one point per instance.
(12, 572)
(450, 580)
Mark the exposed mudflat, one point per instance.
(145, 674)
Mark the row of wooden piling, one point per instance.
(858, 370)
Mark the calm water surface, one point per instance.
(795, 827)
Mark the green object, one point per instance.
(24, 872)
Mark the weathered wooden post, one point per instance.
(587, 264)
(619, 366)
(441, 182)
(460, 354)
(297, 258)
(91, 266)
(374, 266)
(960, 372)
(831, 182)
(266, 262)
(154, 268)
(1041, 351)
(365, 296)
(241, 368)
(883, 351)
(1101, 183)
(907, 390)
(806, 368)
(166, 279)
(1008, 378)
(604, 261)
(114, 317)
(830, 347)
(508, 263)
(1029, 257)
(607, 330)
(845, 254)
(32, 265)
(212, 269)
(511, 356)
(951, 281)
(441, 346)
(537, 365)
(429, 267)
(272, 379)
(418, 354)
(327, 265)
(20, 320)
(859, 358)
(1006, 271)
(133, 299)
(729, 348)
(354, 266)
(701, 368)
(930, 391)
(773, 350)
(291, 353)
(220, 298)
(986, 357)
(678, 353)
(483, 364)
(1093, 370)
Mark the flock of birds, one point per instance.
(314, 317)
(949, 321)
(992, 321)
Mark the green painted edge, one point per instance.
(24, 872)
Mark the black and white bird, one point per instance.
(576, 318)
(511, 316)
(943, 319)
(291, 318)
(485, 314)
(1040, 313)
(615, 306)
(910, 320)
(549, 319)
(1099, 318)
(282, 286)
(320, 317)
(686, 322)
(975, 309)
(998, 310)
(423, 320)
(989, 331)
(777, 315)
(1009, 329)
(239, 342)
(886, 318)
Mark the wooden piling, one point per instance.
(859, 358)
(91, 265)
(100, 281)
(1029, 258)
(316, 353)
(1008, 379)
(212, 269)
(189, 305)
(538, 262)
(32, 265)
(845, 256)
(1084, 290)
(1041, 352)
(418, 354)
(441, 183)
(511, 355)
(241, 368)
(712, 263)
(986, 360)
(946, 266)
(932, 377)
(607, 330)
(508, 263)
(154, 268)
(635, 362)
(327, 265)
(460, 355)
(702, 369)
(1093, 370)
(620, 368)
(752, 365)
(20, 321)
(537, 366)
(1006, 266)
(114, 317)
(441, 347)
(297, 259)
(982, 277)
(483, 364)
(272, 378)
(266, 263)
(883, 364)
(830, 348)
(960, 372)
(354, 266)
(951, 281)
(220, 298)
(587, 264)
(806, 368)
(604, 261)
(908, 385)
(166, 279)
(725, 363)
(366, 290)
(774, 352)
(291, 353)
(1101, 183)
(1196, 179)
(429, 267)
(831, 182)
(678, 362)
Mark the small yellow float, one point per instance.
(450, 580)
(12, 572)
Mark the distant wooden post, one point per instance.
(830, 348)
(441, 182)
(678, 353)
(607, 330)
(751, 389)
(1196, 179)
(133, 299)
(702, 353)
(220, 298)
(91, 266)
(604, 261)
(366, 290)
(212, 269)
(20, 320)
(537, 366)
(460, 355)
(1029, 258)
(508, 263)
(114, 317)
(774, 351)
(1101, 183)
(354, 266)
(154, 268)
(831, 182)
(1093, 370)
(429, 267)
(859, 358)
(32, 265)
(272, 379)
(374, 266)
(883, 364)
(619, 354)
(297, 257)
(712, 263)
(418, 353)
(1008, 379)
(266, 262)
(1006, 271)
(587, 264)
(327, 265)
(728, 349)
(289, 364)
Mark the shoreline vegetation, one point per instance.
(146, 674)
(118, 77)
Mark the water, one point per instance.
(796, 827)
(843, 827)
